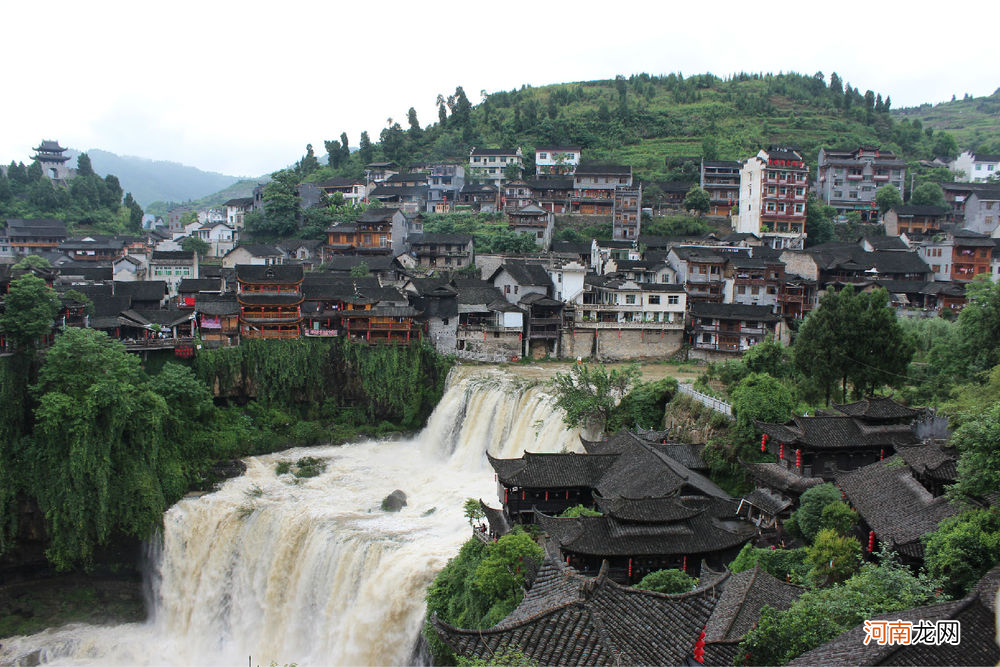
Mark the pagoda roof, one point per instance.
(539, 470)
(285, 274)
(743, 598)
(775, 476)
(894, 504)
(714, 528)
(216, 304)
(878, 407)
(647, 510)
(838, 432)
(568, 619)
(49, 146)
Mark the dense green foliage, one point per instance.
(784, 564)
(668, 581)
(400, 384)
(820, 615)
(643, 406)
(576, 511)
(852, 338)
(963, 548)
(30, 307)
(971, 122)
(832, 557)
(480, 586)
(590, 394)
(489, 231)
(104, 448)
(812, 503)
(760, 397)
(88, 199)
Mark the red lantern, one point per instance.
(506, 492)
(630, 568)
(781, 451)
(684, 564)
(871, 541)
(763, 443)
(798, 458)
(881, 454)
(699, 647)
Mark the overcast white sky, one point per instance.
(242, 87)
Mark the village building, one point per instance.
(516, 194)
(173, 266)
(895, 508)
(552, 194)
(353, 190)
(753, 281)
(914, 219)
(976, 167)
(491, 164)
(444, 182)
(721, 180)
(376, 172)
(30, 236)
(848, 180)
(256, 254)
(982, 211)
(96, 248)
(533, 220)
(480, 198)
(220, 237)
(656, 513)
(236, 211)
(436, 299)
(772, 201)
(730, 327)
(218, 318)
(569, 619)
(49, 155)
(557, 161)
(443, 251)
(270, 300)
(970, 254)
(825, 446)
(700, 270)
(377, 231)
(490, 328)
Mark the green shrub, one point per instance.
(668, 581)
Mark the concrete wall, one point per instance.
(612, 345)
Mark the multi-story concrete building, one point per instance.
(721, 180)
(982, 210)
(848, 180)
(773, 197)
(444, 182)
(627, 213)
(557, 161)
(236, 210)
(609, 189)
(977, 167)
(490, 164)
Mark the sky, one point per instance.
(241, 87)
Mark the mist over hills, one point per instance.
(156, 180)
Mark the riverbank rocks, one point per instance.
(394, 502)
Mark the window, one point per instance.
(755, 290)
(444, 320)
(673, 300)
(630, 299)
(741, 289)
(515, 289)
(654, 299)
(706, 338)
(506, 289)
(543, 156)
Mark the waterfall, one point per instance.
(311, 570)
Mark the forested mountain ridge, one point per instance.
(641, 120)
(973, 121)
(153, 180)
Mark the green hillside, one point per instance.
(642, 120)
(214, 200)
(973, 121)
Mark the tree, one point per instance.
(308, 164)
(360, 270)
(195, 244)
(501, 574)
(838, 517)
(760, 397)
(809, 515)
(281, 203)
(821, 615)
(415, 130)
(643, 407)
(832, 557)
(135, 212)
(927, 194)
(963, 548)
(96, 445)
(512, 171)
(819, 221)
(30, 309)
(83, 165)
(32, 262)
(667, 581)
(588, 394)
(365, 148)
(473, 510)
(887, 197)
(979, 456)
(698, 200)
(853, 337)
(333, 153)
(577, 511)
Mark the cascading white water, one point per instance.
(311, 570)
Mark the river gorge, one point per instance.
(276, 568)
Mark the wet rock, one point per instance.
(228, 469)
(394, 502)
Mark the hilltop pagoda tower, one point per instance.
(50, 155)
